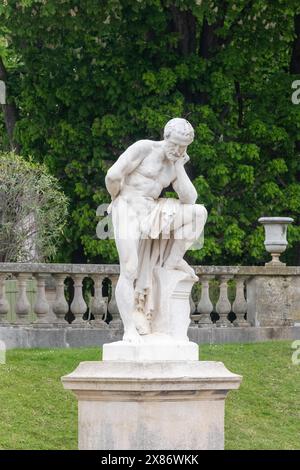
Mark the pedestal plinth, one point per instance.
(154, 347)
(151, 405)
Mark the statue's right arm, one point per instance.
(126, 163)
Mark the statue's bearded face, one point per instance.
(174, 150)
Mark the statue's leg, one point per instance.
(128, 255)
(126, 230)
(188, 225)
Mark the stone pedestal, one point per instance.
(150, 405)
(154, 393)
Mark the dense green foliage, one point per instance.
(33, 210)
(89, 78)
(37, 413)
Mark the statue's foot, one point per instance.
(182, 265)
(141, 322)
(132, 336)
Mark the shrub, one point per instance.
(33, 210)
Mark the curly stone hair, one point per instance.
(180, 129)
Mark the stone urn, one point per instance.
(275, 236)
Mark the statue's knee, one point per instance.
(200, 213)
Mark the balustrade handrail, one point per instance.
(266, 270)
(52, 268)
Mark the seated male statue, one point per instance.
(151, 231)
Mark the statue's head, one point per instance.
(178, 134)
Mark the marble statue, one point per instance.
(152, 233)
(151, 391)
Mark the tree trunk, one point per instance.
(209, 40)
(295, 58)
(10, 113)
(240, 103)
(184, 23)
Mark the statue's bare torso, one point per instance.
(154, 172)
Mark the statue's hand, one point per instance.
(182, 160)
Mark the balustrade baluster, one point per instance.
(22, 304)
(239, 306)
(99, 304)
(223, 306)
(205, 306)
(60, 305)
(4, 305)
(78, 305)
(112, 304)
(192, 305)
(41, 307)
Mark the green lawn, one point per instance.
(37, 413)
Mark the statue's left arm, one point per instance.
(182, 184)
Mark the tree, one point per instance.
(91, 78)
(33, 211)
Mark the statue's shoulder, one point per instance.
(144, 147)
(145, 143)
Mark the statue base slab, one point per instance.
(174, 405)
(153, 347)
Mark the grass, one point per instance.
(37, 413)
(265, 412)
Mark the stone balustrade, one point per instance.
(226, 296)
(54, 302)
